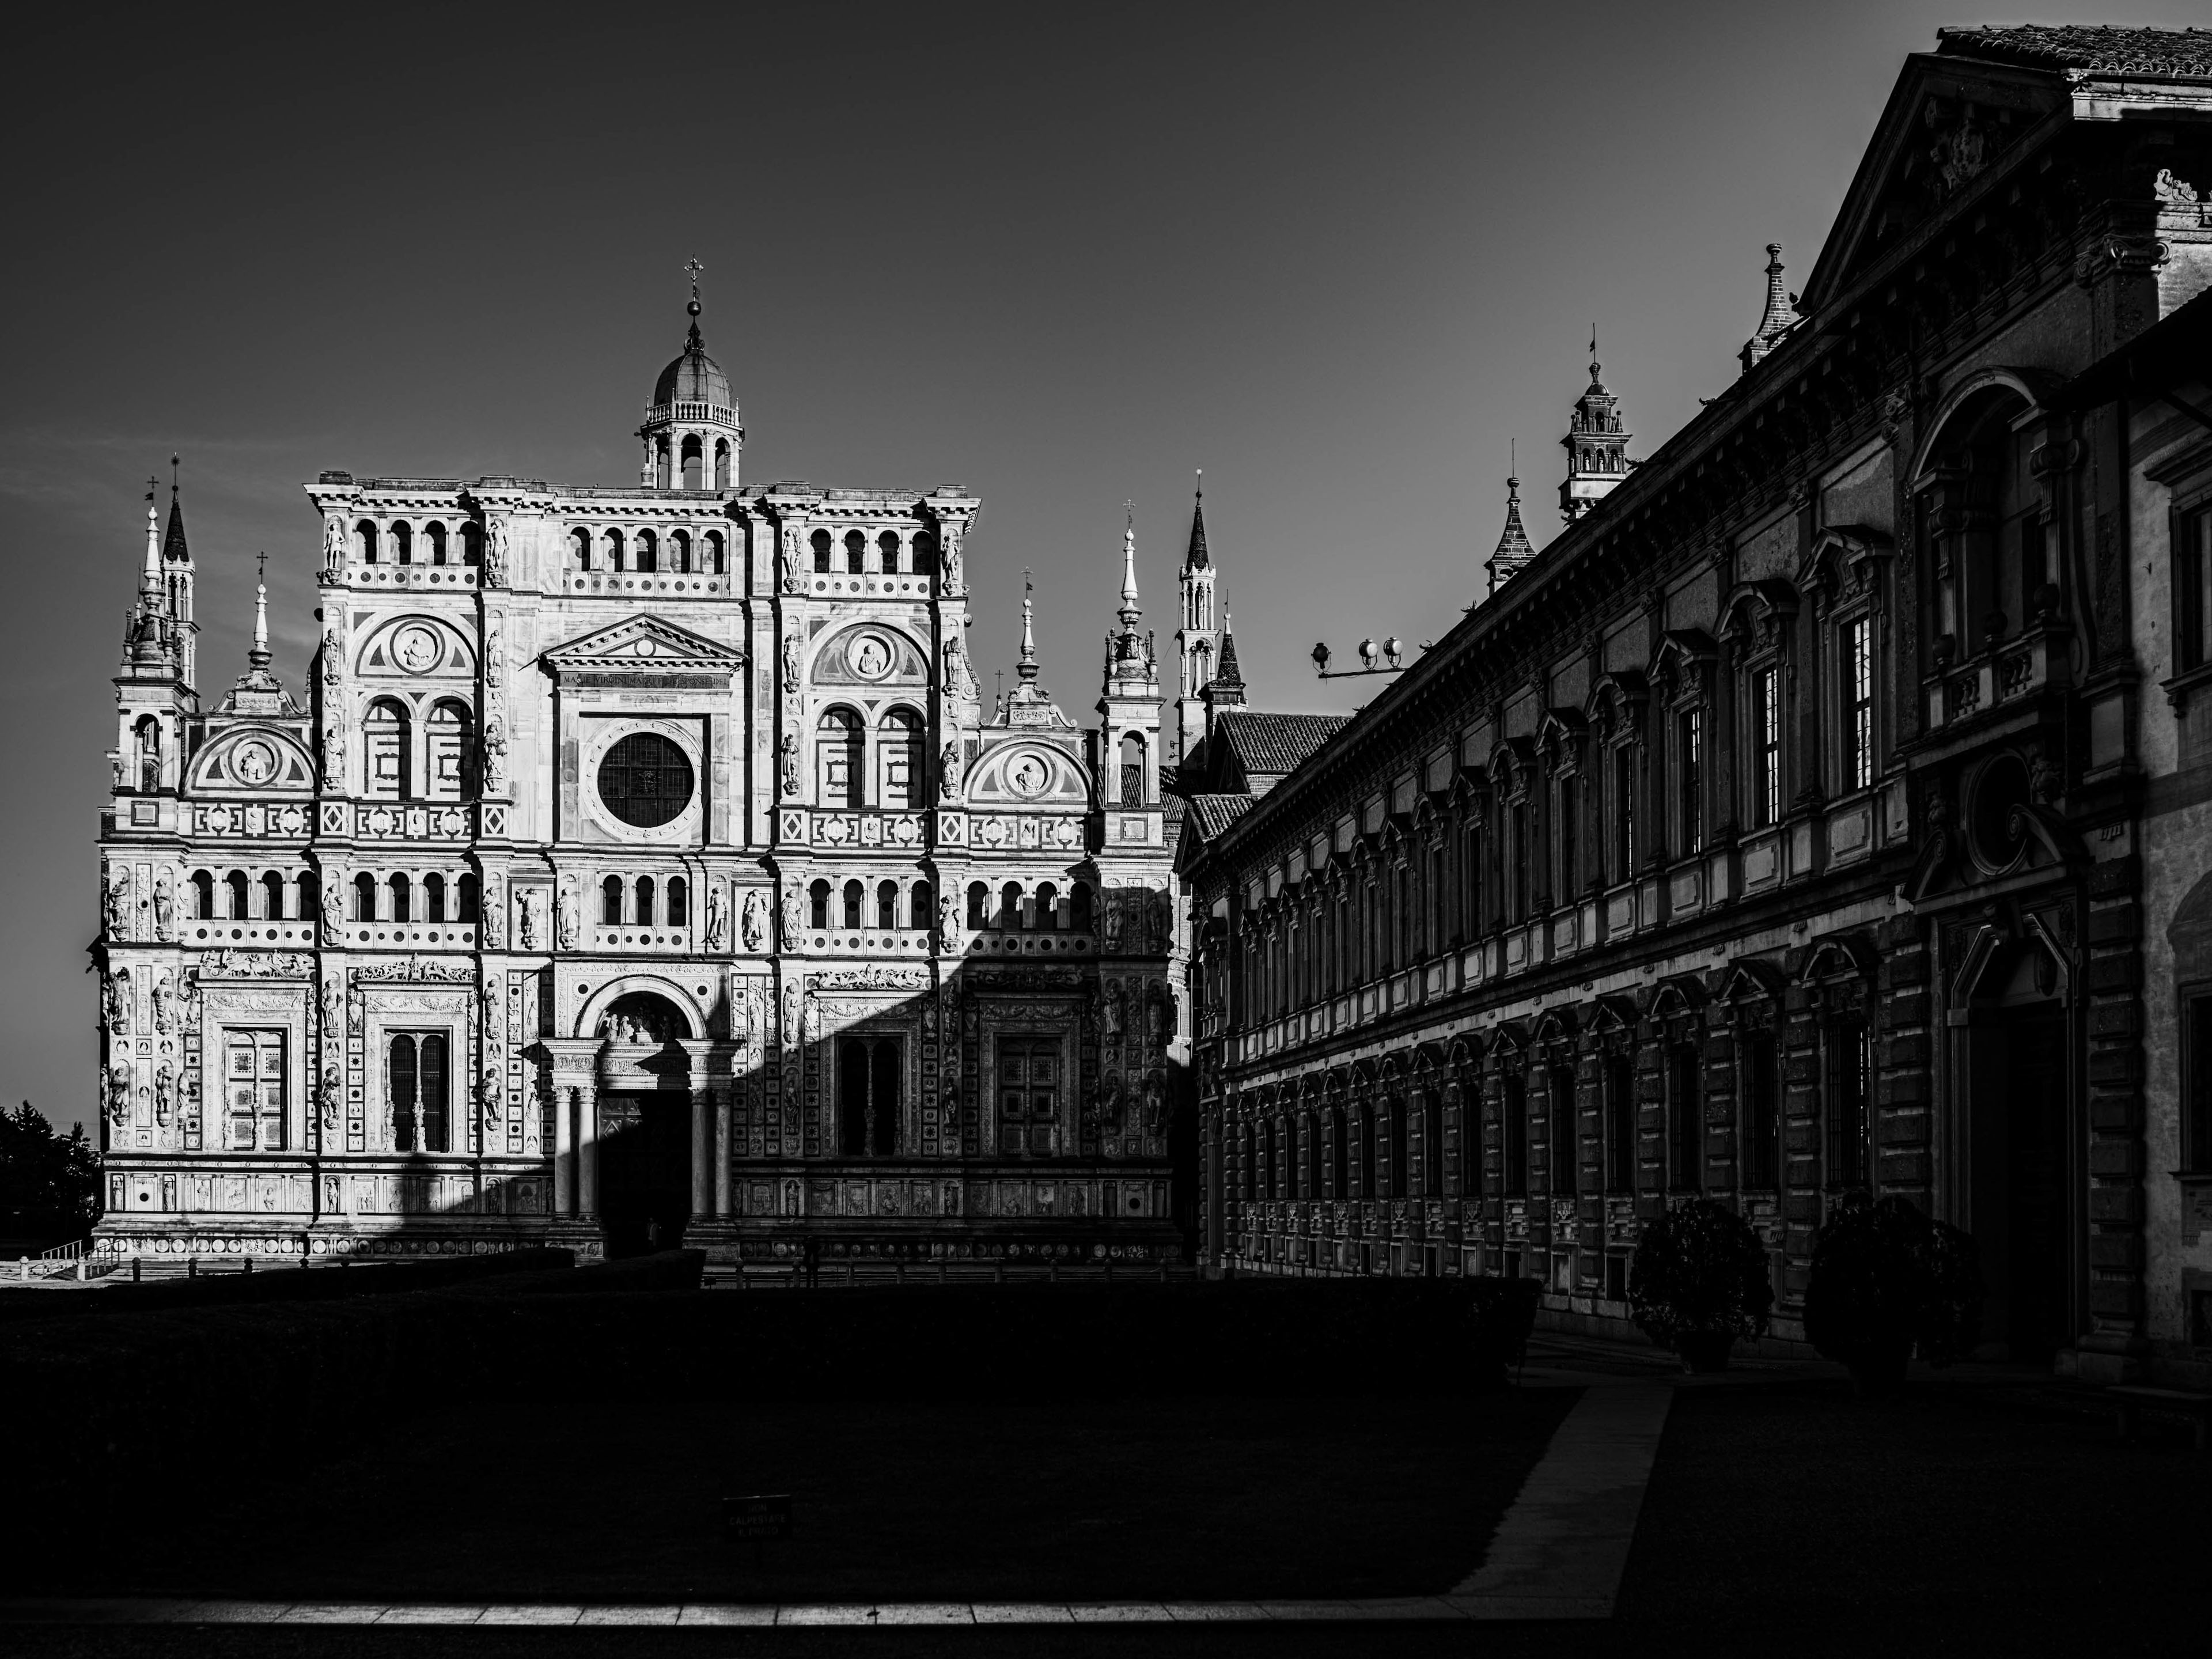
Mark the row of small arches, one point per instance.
(402, 542)
(238, 896)
(645, 903)
(923, 561)
(827, 906)
(1048, 908)
(691, 467)
(647, 551)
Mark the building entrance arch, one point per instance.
(645, 1123)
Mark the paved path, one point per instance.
(1558, 1554)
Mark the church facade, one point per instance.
(642, 863)
(1822, 808)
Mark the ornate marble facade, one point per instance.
(641, 863)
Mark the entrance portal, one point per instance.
(2017, 1155)
(645, 1126)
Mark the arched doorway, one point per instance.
(645, 1125)
(2020, 1072)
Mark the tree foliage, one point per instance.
(1885, 1278)
(49, 1183)
(1699, 1269)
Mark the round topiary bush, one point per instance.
(1887, 1280)
(1699, 1281)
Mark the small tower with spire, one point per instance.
(153, 697)
(691, 436)
(178, 576)
(1029, 704)
(259, 691)
(1513, 552)
(1129, 699)
(1779, 317)
(1596, 447)
(1226, 689)
(1198, 641)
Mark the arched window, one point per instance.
(149, 754)
(1401, 1185)
(364, 898)
(310, 893)
(1432, 1146)
(403, 899)
(821, 543)
(580, 548)
(433, 540)
(1564, 1164)
(648, 552)
(403, 541)
(679, 902)
(1047, 906)
(644, 898)
(1133, 768)
(721, 463)
(887, 905)
(202, 896)
(610, 901)
(1339, 1173)
(920, 902)
(817, 905)
(446, 749)
(1369, 1171)
(433, 898)
(1078, 907)
(272, 896)
(663, 474)
(694, 462)
(240, 906)
(713, 560)
(1010, 905)
(979, 905)
(856, 552)
(471, 907)
(887, 551)
(679, 552)
(610, 545)
(364, 542)
(924, 554)
(472, 543)
(855, 897)
(868, 1072)
(899, 762)
(839, 762)
(387, 749)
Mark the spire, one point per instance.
(1513, 550)
(173, 550)
(1129, 613)
(1026, 670)
(1779, 317)
(1226, 674)
(260, 655)
(1595, 442)
(150, 578)
(694, 341)
(1195, 558)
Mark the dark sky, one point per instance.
(1337, 255)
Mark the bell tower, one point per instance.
(691, 436)
(1597, 448)
(1198, 641)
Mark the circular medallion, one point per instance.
(646, 781)
(417, 649)
(869, 656)
(253, 761)
(1029, 776)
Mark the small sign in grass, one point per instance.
(761, 1515)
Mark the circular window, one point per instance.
(2002, 786)
(645, 780)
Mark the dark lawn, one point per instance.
(619, 1501)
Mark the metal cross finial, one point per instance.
(694, 267)
(264, 566)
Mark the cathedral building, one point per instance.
(1823, 809)
(639, 865)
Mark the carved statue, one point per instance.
(495, 916)
(1114, 922)
(1112, 1099)
(572, 922)
(751, 930)
(333, 1009)
(495, 650)
(789, 1032)
(165, 1089)
(495, 756)
(792, 649)
(161, 1003)
(495, 553)
(119, 903)
(948, 771)
(118, 1094)
(948, 919)
(1114, 1008)
(794, 917)
(334, 750)
(949, 551)
(334, 545)
(1156, 1103)
(333, 908)
(1156, 1015)
(118, 1003)
(717, 923)
(525, 918)
(333, 657)
(164, 904)
(790, 746)
(791, 558)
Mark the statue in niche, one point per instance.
(334, 546)
(1111, 1102)
(161, 1003)
(791, 558)
(572, 921)
(164, 904)
(495, 553)
(752, 929)
(191, 1003)
(794, 915)
(118, 1003)
(948, 771)
(328, 1093)
(333, 1007)
(1156, 1103)
(1159, 1016)
(165, 1087)
(790, 1033)
(119, 903)
(526, 916)
(495, 916)
(790, 748)
(948, 919)
(334, 750)
(1114, 922)
(333, 657)
(948, 544)
(118, 1094)
(791, 650)
(495, 756)
(717, 923)
(333, 908)
(1114, 1009)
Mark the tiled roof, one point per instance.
(2103, 49)
(1171, 811)
(1275, 743)
(1214, 814)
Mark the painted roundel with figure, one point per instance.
(646, 781)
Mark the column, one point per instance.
(564, 1149)
(588, 1147)
(722, 1149)
(702, 1109)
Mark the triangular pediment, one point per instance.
(646, 645)
(1952, 125)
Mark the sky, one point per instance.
(1342, 258)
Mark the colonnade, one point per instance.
(578, 1068)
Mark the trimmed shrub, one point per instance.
(1887, 1280)
(1699, 1270)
